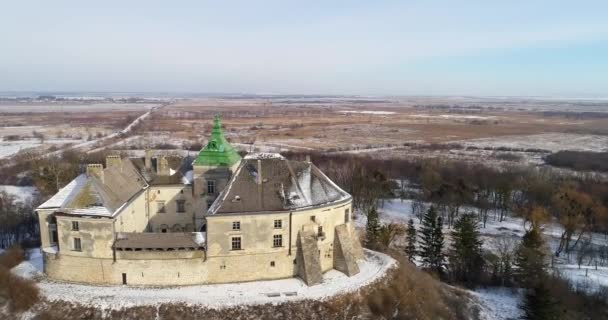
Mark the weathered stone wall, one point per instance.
(345, 259)
(95, 234)
(45, 233)
(257, 260)
(162, 272)
(142, 212)
(309, 266)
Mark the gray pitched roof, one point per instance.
(269, 182)
(90, 195)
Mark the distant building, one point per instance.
(217, 218)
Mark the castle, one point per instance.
(218, 218)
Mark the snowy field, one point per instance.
(213, 296)
(10, 148)
(368, 112)
(452, 117)
(546, 141)
(96, 107)
(499, 303)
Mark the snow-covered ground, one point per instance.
(65, 107)
(10, 148)
(368, 112)
(452, 117)
(498, 303)
(546, 141)
(21, 194)
(587, 278)
(32, 267)
(398, 211)
(219, 295)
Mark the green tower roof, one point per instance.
(217, 152)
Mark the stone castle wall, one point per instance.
(258, 259)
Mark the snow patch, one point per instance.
(66, 193)
(368, 112)
(498, 303)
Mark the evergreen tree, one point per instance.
(465, 256)
(372, 227)
(530, 258)
(538, 304)
(438, 244)
(431, 236)
(410, 247)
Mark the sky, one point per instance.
(406, 47)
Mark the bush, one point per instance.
(23, 293)
(413, 294)
(12, 257)
(579, 160)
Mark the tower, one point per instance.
(212, 169)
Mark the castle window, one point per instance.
(320, 233)
(75, 226)
(277, 240)
(236, 243)
(210, 187)
(346, 215)
(272, 264)
(77, 244)
(181, 205)
(278, 224)
(313, 218)
(236, 225)
(160, 207)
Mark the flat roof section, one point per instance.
(127, 241)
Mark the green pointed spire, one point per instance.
(217, 152)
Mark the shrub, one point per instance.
(12, 257)
(579, 160)
(23, 293)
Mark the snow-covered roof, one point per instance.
(273, 183)
(263, 155)
(188, 177)
(66, 194)
(91, 211)
(100, 192)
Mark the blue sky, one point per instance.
(555, 48)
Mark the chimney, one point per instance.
(114, 161)
(259, 171)
(95, 170)
(162, 166)
(148, 159)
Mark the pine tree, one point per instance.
(538, 304)
(410, 247)
(431, 247)
(438, 244)
(372, 228)
(530, 259)
(466, 262)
